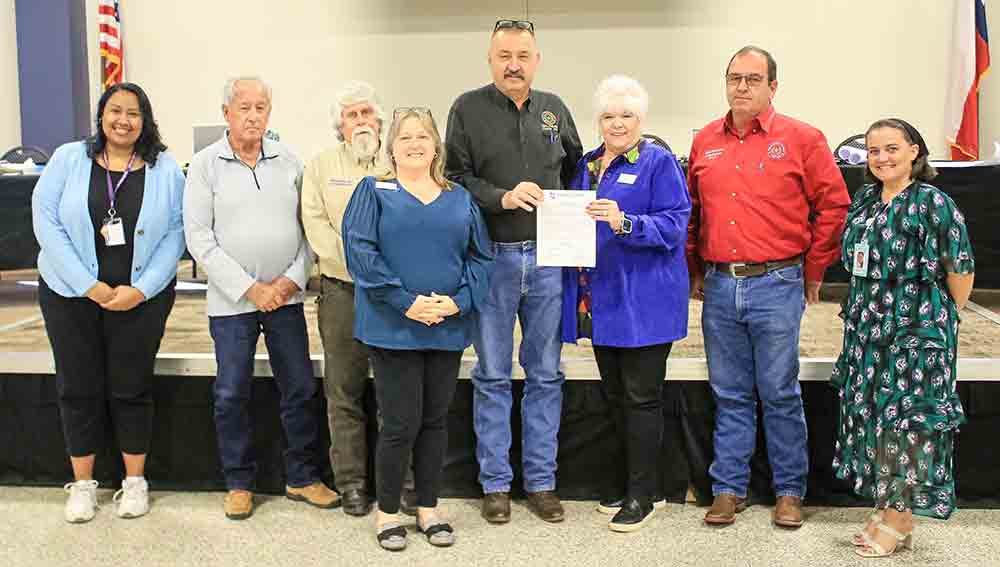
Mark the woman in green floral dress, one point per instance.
(906, 246)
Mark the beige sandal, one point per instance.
(875, 549)
(861, 539)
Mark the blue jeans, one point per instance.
(235, 339)
(751, 330)
(518, 288)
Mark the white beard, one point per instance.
(364, 144)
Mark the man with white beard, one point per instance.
(328, 183)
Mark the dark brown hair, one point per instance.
(149, 145)
(922, 168)
(772, 65)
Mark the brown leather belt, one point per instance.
(749, 269)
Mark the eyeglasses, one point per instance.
(411, 109)
(753, 80)
(514, 24)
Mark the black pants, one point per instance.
(632, 379)
(414, 389)
(104, 365)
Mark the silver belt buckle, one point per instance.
(733, 266)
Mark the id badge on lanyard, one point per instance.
(862, 252)
(113, 230)
(859, 265)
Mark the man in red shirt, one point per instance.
(768, 208)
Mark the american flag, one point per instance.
(112, 52)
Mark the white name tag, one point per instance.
(386, 185)
(114, 233)
(859, 264)
(337, 182)
(627, 178)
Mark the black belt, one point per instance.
(751, 269)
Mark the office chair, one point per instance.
(21, 154)
(658, 141)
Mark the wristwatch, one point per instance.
(626, 227)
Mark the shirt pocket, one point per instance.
(776, 179)
(770, 181)
(715, 177)
(553, 151)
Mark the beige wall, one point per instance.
(841, 64)
(10, 109)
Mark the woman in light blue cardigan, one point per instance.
(107, 215)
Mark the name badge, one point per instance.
(627, 178)
(386, 185)
(113, 232)
(859, 264)
(338, 182)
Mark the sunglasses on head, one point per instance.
(514, 24)
(411, 109)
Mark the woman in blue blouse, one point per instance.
(418, 250)
(634, 304)
(107, 215)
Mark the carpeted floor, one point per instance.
(190, 529)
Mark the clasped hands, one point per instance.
(120, 298)
(431, 310)
(271, 296)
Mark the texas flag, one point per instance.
(970, 59)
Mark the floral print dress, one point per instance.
(899, 408)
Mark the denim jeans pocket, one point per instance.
(791, 274)
(711, 277)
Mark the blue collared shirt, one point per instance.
(61, 219)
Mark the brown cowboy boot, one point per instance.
(724, 509)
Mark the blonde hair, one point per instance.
(428, 124)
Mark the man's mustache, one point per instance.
(514, 75)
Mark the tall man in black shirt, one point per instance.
(505, 143)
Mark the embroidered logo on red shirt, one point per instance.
(776, 150)
(712, 154)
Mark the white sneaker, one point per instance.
(82, 502)
(132, 499)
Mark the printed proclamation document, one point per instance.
(567, 236)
